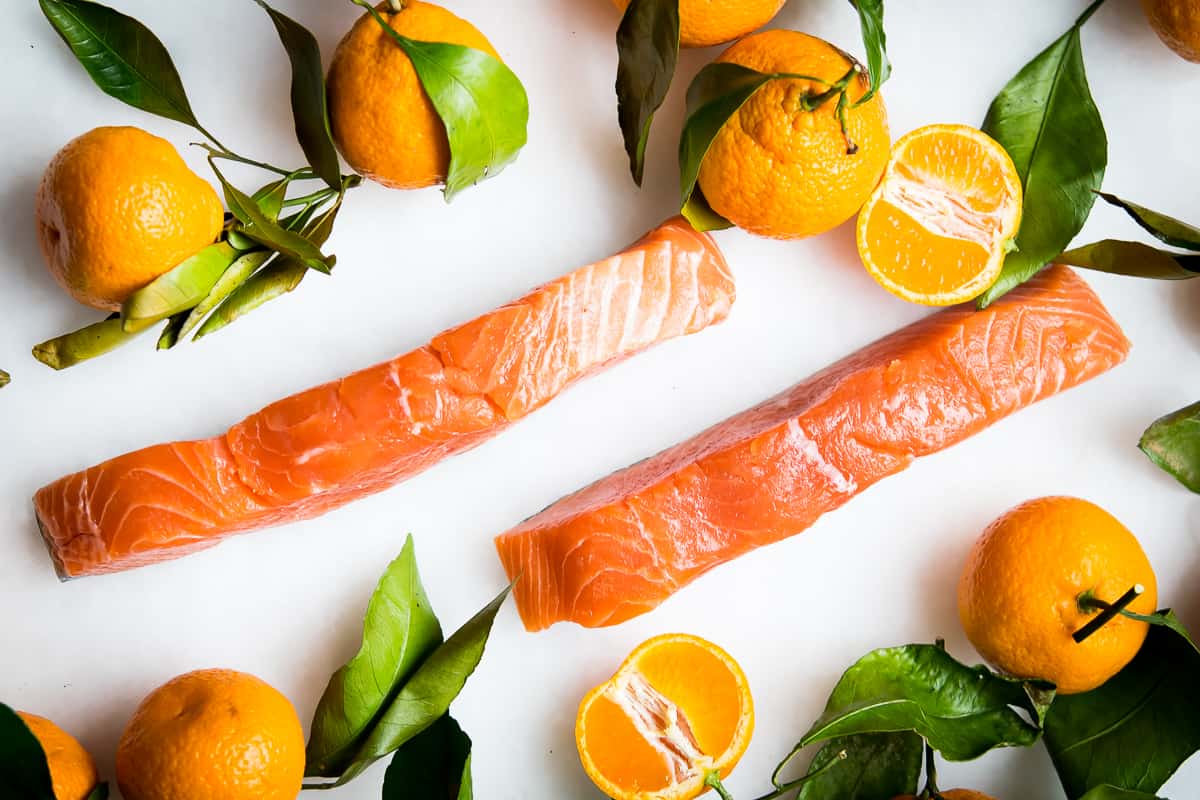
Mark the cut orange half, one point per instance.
(678, 709)
(936, 229)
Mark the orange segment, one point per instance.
(936, 229)
(677, 709)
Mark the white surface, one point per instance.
(286, 604)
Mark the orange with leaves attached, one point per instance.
(72, 770)
(703, 23)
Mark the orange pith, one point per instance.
(703, 23)
(936, 229)
(676, 710)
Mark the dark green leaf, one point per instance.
(171, 331)
(4, 379)
(870, 17)
(399, 632)
(961, 711)
(1167, 229)
(1047, 121)
(94, 340)
(1134, 259)
(877, 766)
(647, 52)
(1106, 792)
(23, 769)
(715, 95)
(1173, 443)
(99, 793)
(233, 278)
(180, 288)
(481, 102)
(308, 97)
(433, 765)
(1135, 730)
(123, 57)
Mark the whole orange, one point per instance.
(1177, 23)
(117, 207)
(779, 170)
(214, 734)
(703, 23)
(72, 770)
(1019, 597)
(382, 120)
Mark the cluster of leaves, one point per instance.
(24, 772)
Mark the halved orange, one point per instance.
(937, 227)
(678, 709)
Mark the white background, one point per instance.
(286, 604)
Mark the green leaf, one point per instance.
(1107, 792)
(1047, 121)
(433, 765)
(99, 793)
(1167, 229)
(4, 379)
(481, 102)
(879, 69)
(877, 766)
(179, 289)
(231, 279)
(24, 772)
(1133, 259)
(308, 97)
(715, 95)
(123, 57)
(647, 52)
(1135, 730)
(961, 711)
(399, 632)
(88, 342)
(1173, 443)
(171, 332)
(269, 199)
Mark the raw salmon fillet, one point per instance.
(621, 546)
(322, 448)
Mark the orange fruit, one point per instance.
(1177, 23)
(72, 770)
(676, 710)
(938, 226)
(703, 23)
(383, 122)
(1020, 591)
(953, 794)
(117, 207)
(778, 170)
(214, 734)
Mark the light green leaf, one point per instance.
(179, 289)
(86, 343)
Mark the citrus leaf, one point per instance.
(481, 102)
(308, 97)
(87, 342)
(715, 95)
(647, 52)
(1047, 121)
(1133, 259)
(433, 765)
(1107, 792)
(961, 711)
(123, 57)
(399, 632)
(171, 332)
(5, 379)
(24, 772)
(237, 274)
(879, 69)
(1167, 229)
(1135, 730)
(269, 198)
(1173, 443)
(178, 289)
(876, 765)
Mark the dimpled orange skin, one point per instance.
(703, 23)
(1018, 594)
(383, 122)
(72, 770)
(953, 794)
(117, 207)
(212, 734)
(778, 171)
(1177, 23)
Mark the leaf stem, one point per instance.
(1088, 12)
(1107, 610)
(713, 781)
(931, 787)
(221, 152)
(316, 197)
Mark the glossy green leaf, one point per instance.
(1047, 121)
(715, 95)
(1173, 443)
(5, 379)
(647, 52)
(1135, 730)
(877, 766)
(308, 97)
(1106, 792)
(879, 69)
(180, 288)
(88, 342)
(1166, 229)
(433, 765)
(1134, 259)
(399, 632)
(123, 57)
(171, 331)
(481, 102)
(961, 711)
(24, 772)
(233, 278)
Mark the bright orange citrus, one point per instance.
(117, 207)
(676, 710)
(382, 120)
(778, 170)
(72, 770)
(1177, 23)
(1020, 591)
(703, 23)
(938, 226)
(213, 734)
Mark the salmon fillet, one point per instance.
(623, 545)
(322, 448)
